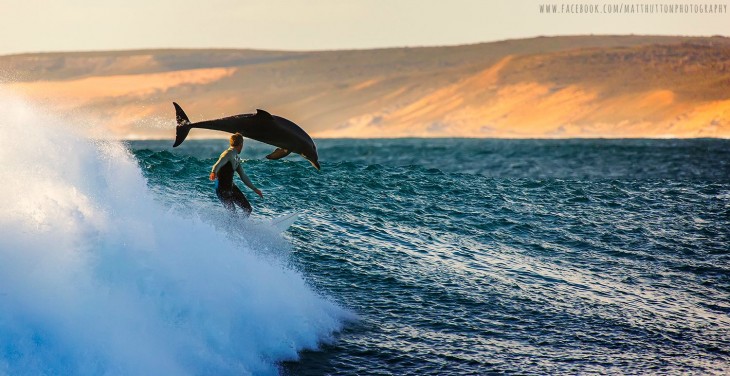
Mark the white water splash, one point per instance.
(98, 278)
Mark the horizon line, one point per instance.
(454, 138)
(51, 52)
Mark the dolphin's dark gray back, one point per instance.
(261, 126)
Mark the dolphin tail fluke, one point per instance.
(183, 125)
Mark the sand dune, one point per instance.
(590, 86)
(91, 89)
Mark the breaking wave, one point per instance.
(98, 277)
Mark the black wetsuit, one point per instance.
(228, 193)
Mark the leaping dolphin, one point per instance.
(261, 126)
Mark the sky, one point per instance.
(83, 25)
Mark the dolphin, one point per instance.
(261, 126)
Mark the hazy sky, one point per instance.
(70, 25)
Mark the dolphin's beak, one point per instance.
(314, 163)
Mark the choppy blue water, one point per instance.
(499, 256)
(423, 257)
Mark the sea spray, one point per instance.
(98, 277)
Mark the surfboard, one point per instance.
(283, 222)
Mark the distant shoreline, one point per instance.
(544, 87)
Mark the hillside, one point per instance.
(582, 86)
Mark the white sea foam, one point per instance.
(96, 277)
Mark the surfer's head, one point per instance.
(237, 141)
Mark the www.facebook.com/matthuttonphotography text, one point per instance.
(625, 8)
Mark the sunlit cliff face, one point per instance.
(667, 88)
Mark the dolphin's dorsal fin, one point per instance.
(278, 154)
(260, 112)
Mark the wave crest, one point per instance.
(97, 277)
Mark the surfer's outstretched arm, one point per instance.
(244, 178)
(247, 181)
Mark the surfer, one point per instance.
(227, 192)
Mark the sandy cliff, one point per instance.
(586, 86)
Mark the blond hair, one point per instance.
(236, 139)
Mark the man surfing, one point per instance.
(227, 192)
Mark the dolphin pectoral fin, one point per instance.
(263, 114)
(278, 154)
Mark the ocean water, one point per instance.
(498, 256)
(411, 256)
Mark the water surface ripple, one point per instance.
(499, 256)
